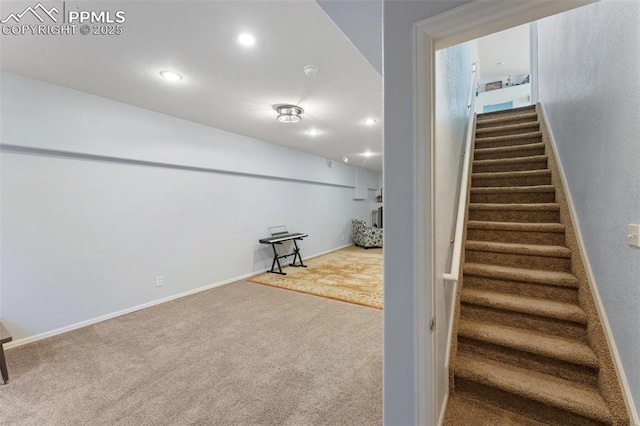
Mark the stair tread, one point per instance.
(506, 127)
(525, 147)
(528, 341)
(515, 206)
(465, 410)
(502, 138)
(518, 173)
(512, 189)
(564, 394)
(512, 160)
(507, 113)
(517, 226)
(523, 304)
(517, 248)
(562, 279)
(508, 118)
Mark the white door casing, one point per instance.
(470, 21)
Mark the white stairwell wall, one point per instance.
(99, 198)
(588, 65)
(453, 86)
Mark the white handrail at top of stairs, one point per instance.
(454, 272)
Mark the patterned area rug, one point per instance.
(352, 275)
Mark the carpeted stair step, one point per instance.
(539, 256)
(531, 212)
(557, 348)
(520, 178)
(506, 113)
(527, 289)
(557, 400)
(501, 152)
(508, 129)
(513, 194)
(526, 305)
(535, 162)
(516, 232)
(506, 119)
(463, 410)
(530, 360)
(558, 286)
(510, 140)
(558, 279)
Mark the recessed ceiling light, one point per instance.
(370, 121)
(171, 75)
(313, 132)
(246, 39)
(367, 154)
(345, 159)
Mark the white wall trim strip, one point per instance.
(25, 150)
(617, 362)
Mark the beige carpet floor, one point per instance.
(240, 354)
(353, 275)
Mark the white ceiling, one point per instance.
(510, 47)
(225, 85)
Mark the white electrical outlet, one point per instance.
(633, 235)
(159, 281)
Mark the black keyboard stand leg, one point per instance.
(296, 254)
(276, 259)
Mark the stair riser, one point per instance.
(534, 409)
(535, 362)
(482, 182)
(514, 141)
(546, 263)
(532, 216)
(524, 152)
(541, 291)
(505, 121)
(488, 132)
(517, 167)
(513, 197)
(551, 326)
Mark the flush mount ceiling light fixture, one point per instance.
(313, 132)
(370, 121)
(171, 75)
(289, 113)
(367, 154)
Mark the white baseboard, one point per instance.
(101, 318)
(443, 408)
(617, 363)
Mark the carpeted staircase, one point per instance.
(530, 348)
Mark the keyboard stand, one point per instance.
(278, 240)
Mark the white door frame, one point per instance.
(470, 21)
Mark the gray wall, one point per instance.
(400, 324)
(453, 87)
(589, 63)
(99, 198)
